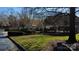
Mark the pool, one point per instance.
(7, 45)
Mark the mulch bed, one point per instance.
(61, 45)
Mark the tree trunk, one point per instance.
(72, 37)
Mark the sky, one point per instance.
(7, 10)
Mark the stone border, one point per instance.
(19, 46)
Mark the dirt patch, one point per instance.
(52, 44)
(61, 45)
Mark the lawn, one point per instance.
(37, 42)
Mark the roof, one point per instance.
(59, 20)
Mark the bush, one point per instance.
(15, 33)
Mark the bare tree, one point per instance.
(23, 18)
(12, 21)
(72, 37)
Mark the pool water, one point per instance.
(7, 45)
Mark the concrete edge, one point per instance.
(19, 46)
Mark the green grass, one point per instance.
(37, 42)
(77, 37)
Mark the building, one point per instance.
(60, 22)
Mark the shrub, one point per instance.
(15, 33)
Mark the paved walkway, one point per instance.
(7, 45)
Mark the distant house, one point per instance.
(60, 22)
(36, 24)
